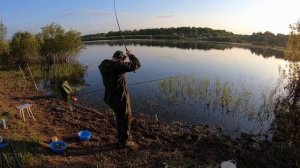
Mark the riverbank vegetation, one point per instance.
(215, 95)
(52, 45)
(196, 33)
(287, 113)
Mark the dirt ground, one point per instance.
(160, 144)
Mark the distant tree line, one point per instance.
(197, 33)
(52, 45)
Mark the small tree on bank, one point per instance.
(4, 47)
(287, 114)
(3, 31)
(52, 45)
(57, 45)
(293, 46)
(292, 53)
(24, 48)
(4, 52)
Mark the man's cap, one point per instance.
(119, 54)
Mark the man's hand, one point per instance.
(128, 53)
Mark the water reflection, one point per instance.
(234, 87)
(265, 52)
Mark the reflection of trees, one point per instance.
(183, 45)
(288, 111)
(51, 75)
(266, 52)
(194, 45)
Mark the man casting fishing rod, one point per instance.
(116, 92)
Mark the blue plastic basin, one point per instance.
(3, 145)
(58, 146)
(84, 135)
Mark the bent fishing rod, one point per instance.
(137, 83)
(119, 25)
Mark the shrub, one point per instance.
(4, 52)
(24, 48)
(57, 45)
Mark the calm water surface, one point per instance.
(248, 72)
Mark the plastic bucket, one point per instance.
(84, 135)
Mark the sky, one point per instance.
(97, 16)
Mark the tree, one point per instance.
(3, 31)
(287, 114)
(71, 43)
(24, 48)
(57, 45)
(293, 46)
(292, 53)
(4, 52)
(281, 40)
(4, 46)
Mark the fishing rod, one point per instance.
(119, 25)
(137, 83)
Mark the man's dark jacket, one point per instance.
(113, 75)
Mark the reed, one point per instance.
(215, 94)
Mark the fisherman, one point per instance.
(116, 92)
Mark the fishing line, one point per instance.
(137, 83)
(119, 25)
